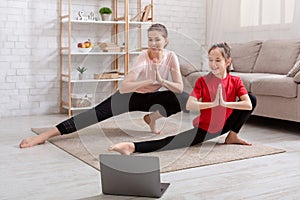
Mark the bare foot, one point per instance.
(232, 138)
(151, 124)
(32, 141)
(124, 148)
(39, 139)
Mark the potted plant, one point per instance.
(105, 13)
(81, 70)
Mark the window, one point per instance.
(266, 12)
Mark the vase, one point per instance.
(105, 17)
(80, 76)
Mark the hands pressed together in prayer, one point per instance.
(219, 101)
(156, 78)
(243, 104)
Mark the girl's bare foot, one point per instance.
(39, 139)
(32, 141)
(151, 122)
(232, 138)
(124, 148)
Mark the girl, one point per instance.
(139, 91)
(215, 96)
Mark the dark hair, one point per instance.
(159, 27)
(226, 52)
(224, 49)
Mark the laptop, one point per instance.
(131, 175)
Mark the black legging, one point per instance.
(166, 102)
(196, 135)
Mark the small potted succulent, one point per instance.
(105, 13)
(81, 70)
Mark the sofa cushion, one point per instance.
(248, 78)
(277, 56)
(245, 55)
(275, 85)
(295, 69)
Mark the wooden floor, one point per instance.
(46, 172)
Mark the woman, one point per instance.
(139, 91)
(215, 96)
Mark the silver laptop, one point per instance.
(131, 175)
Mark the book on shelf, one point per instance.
(106, 44)
(112, 49)
(143, 15)
(146, 12)
(105, 50)
(109, 75)
(109, 47)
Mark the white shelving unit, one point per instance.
(67, 52)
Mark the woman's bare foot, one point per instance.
(39, 139)
(124, 148)
(232, 138)
(150, 119)
(32, 141)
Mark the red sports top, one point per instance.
(213, 119)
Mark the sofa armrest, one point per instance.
(297, 77)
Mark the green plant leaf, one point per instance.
(105, 10)
(81, 69)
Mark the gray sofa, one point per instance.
(270, 70)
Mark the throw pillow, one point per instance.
(277, 56)
(244, 55)
(295, 69)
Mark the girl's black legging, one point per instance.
(166, 102)
(196, 135)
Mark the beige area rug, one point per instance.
(88, 143)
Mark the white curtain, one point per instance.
(225, 18)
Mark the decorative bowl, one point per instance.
(84, 50)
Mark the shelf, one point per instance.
(94, 80)
(116, 31)
(74, 21)
(77, 108)
(140, 23)
(94, 53)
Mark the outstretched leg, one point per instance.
(114, 105)
(181, 140)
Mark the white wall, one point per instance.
(186, 22)
(29, 58)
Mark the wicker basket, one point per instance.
(81, 100)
